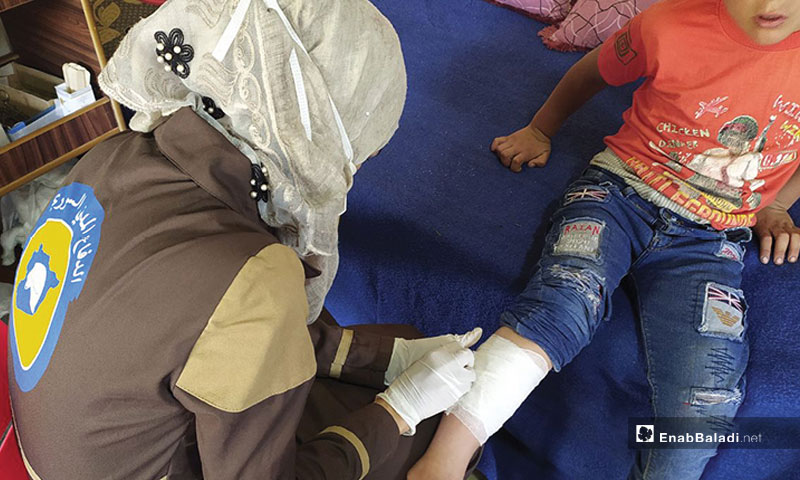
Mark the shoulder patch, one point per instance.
(256, 343)
(51, 274)
(623, 46)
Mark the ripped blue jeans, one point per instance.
(692, 312)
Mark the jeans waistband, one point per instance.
(657, 213)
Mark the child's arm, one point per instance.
(775, 226)
(531, 144)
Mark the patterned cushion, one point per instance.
(548, 11)
(114, 18)
(591, 22)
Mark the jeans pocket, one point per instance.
(738, 235)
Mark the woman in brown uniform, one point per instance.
(164, 319)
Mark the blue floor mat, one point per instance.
(438, 234)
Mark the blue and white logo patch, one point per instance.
(51, 274)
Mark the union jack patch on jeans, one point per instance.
(723, 312)
(590, 193)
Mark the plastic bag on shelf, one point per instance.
(21, 209)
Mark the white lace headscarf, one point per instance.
(310, 89)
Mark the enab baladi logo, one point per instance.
(51, 274)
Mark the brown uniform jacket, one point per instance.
(190, 327)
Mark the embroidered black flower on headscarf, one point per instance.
(212, 109)
(173, 53)
(258, 182)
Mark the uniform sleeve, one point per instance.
(249, 373)
(624, 56)
(260, 443)
(351, 356)
(350, 449)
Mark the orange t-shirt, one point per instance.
(715, 127)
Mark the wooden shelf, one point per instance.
(9, 4)
(46, 34)
(48, 147)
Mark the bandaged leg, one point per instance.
(460, 434)
(506, 375)
(587, 251)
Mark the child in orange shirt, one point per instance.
(706, 151)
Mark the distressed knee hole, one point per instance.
(580, 238)
(585, 282)
(702, 396)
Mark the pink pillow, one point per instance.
(591, 22)
(548, 11)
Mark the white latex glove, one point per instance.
(431, 385)
(406, 352)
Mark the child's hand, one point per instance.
(527, 145)
(777, 233)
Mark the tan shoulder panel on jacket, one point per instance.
(256, 343)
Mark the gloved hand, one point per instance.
(406, 352)
(431, 384)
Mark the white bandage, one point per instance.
(506, 375)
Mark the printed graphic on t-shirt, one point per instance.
(723, 183)
(715, 106)
(708, 128)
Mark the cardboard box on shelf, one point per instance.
(39, 98)
(29, 80)
(37, 112)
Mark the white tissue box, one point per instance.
(72, 102)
